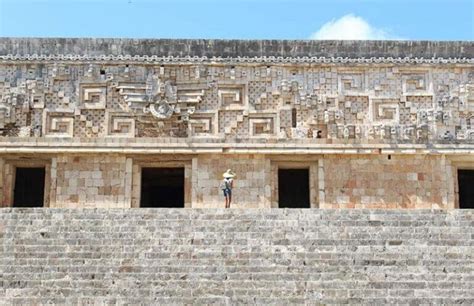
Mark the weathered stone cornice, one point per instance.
(236, 51)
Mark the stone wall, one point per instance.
(5, 184)
(336, 181)
(91, 181)
(166, 256)
(252, 187)
(8, 183)
(387, 181)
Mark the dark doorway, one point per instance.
(293, 188)
(162, 187)
(466, 188)
(29, 187)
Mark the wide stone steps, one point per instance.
(255, 256)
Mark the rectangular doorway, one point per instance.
(162, 187)
(29, 187)
(293, 188)
(466, 189)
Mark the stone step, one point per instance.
(264, 256)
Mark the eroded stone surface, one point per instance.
(379, 124)
(361, 103)
(150, 256)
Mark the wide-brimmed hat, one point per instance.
(228, 174)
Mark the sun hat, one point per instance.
(228, 174)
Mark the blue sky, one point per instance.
(244, 19)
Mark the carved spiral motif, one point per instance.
(161, 109)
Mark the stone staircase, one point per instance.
(216, 256)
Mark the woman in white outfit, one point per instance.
(226, 185)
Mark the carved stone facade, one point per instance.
(335, 115)
(362, 104)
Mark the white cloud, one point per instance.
(351, 27)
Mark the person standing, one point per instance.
(226, 185)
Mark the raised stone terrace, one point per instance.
(185, 256)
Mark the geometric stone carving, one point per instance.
(285, 101)
(385, 111)
(5, 114)
(203, 124)
(289, 92)
(37, 101)
(416, 83)
(119, 124)
(58, 123)
(190, 95)
(24, 131)
(419, 102)
(35, 91)
(299, 132)
(232, 96)
(466, 95)
(132, 92)
(94, 96)
(232, 121)
(261, 124)
(350, 83)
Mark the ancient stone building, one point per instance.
(323, 124)
(113, 123)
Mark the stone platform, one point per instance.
(262, 256)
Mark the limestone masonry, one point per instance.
(119, 123)
(236, 256)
